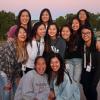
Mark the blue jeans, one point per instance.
(1, 87)
(6, 94)
(75, 68)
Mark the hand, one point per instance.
(17, 80)
(8, 86)
(35, 99)
(51, 95)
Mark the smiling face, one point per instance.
(82, 16)
(55, 64)
(22, 35)
(75, 24)
(52, 31)
(45, 17)
(24, 18)
(65, 33)
(41, 31)
(86, 35)
(40, 66)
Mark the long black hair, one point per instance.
(34, 30)
(60, 73)
(75, 37)
(29, 26)
(68, 26)
(50, 17)
(87, 23)
(47, 37)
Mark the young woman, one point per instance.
(45, 17)
(54, 43)
(91, 64)
(34, 85)
(83, 16)
(74, 56)
(24, 19)
(12, 55)
(65, 33)
(61, 87)
(35, 47)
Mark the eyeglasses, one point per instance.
(86, 33)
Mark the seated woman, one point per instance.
(34, 85)
(62, 87)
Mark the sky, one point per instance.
(57, 7)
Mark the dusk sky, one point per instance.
(57, 7)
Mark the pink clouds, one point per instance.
(57, 7)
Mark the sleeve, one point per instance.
(11, 32)
(27, 87)
(68, 91)
(97, 72)
(6, 59)
(31, 51)
(3, 56)
(62, 47)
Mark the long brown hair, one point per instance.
(21, 51)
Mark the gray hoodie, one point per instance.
(58, 46)
(31, 86)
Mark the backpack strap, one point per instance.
(68, 75)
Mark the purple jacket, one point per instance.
(11, 32)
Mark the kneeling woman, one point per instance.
(34, 85)
(62, 87)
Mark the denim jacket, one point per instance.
(67, 90)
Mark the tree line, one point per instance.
(7, 19)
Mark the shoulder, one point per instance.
(12, 30)
(7, 45)
(31, 44)
(61, 40)
(14, 27)
(29, 75)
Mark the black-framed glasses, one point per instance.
(86, 33)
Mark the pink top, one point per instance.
(11, 32)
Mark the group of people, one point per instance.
(45, 62)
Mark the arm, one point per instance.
(5, 65)
(5, 58)
(62, 47)
(97, 72)
(27, 87)
(69, 91)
